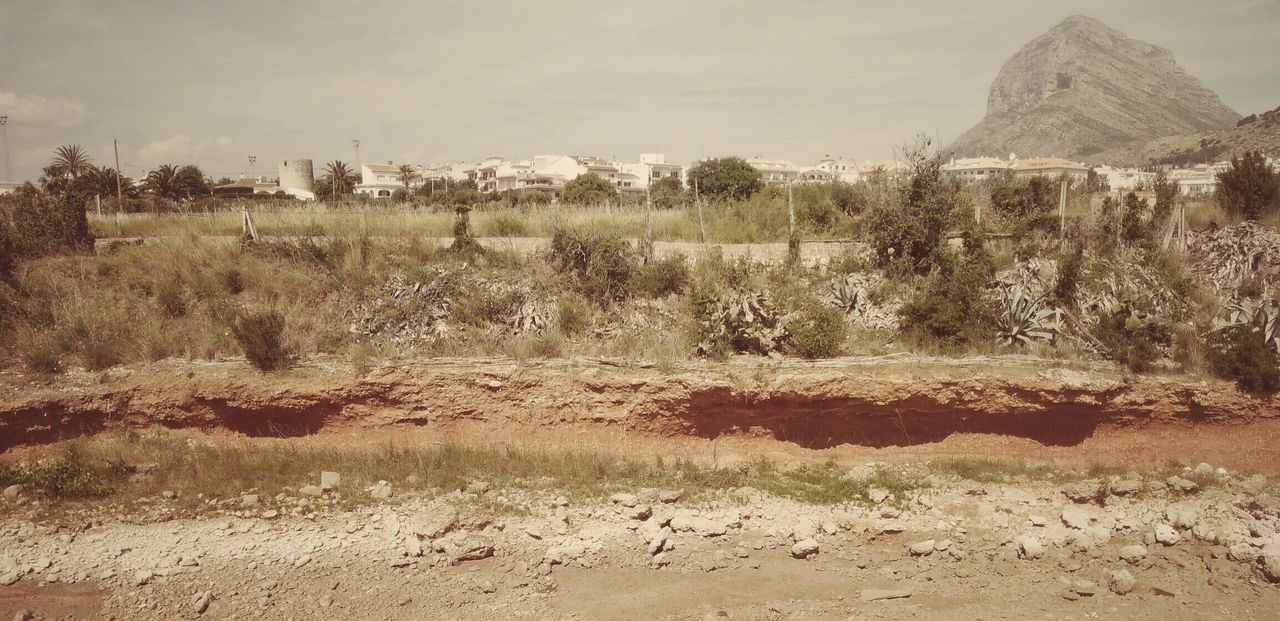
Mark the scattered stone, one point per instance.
(169, 494)
(657, 545)
(1242, 552)
(1089, 490)
(1126, 487)
(705, 527)
(1085, 587)
(875, 595)
(201, 602)
(804, 549)
(1076, 517)
(943, 546)
(1166, 535)
(302, 560)
(142, 577)
(326, 600)
(1185, 486)
(478, 488)
(626, 500)
(1133, 554)
(249, 500)
(13, 491)
(922, 548)
(1182, 514)
(641, 512)
(329, 480)
(670, 496)
(9, 577)
(473, 548)
(1028, 547)
(1121, 582)
(1038, 520)
(877, 495)
(380, 490)
(270, 514)
(435, 525)
(311, 490)
(1271, 564)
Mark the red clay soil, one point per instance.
(874, 407)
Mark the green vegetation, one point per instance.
(1250, 189)
(817, 331)
(589, 189)
(1241, 353)
(724, 179)
(261, 335)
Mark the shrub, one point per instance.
(952, 307)
(913, 228)
(1068, 281)
(589, 189)
(231, 280)
(39, 352)
(261, 336)
(1239, 353)
(1250, 188)
(724, 178)
(816, 331)
(69, 475)
(481, 306)
(600, 264)
(572, 317)
(663, 277)
(1134, 342)
(170, 298)
(508, 224)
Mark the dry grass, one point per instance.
(107, 468)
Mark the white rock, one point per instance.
(1121, 582)
(669, 496)
(804, 549)
(249, 500)
(1076, 517)
(1133, 553)
(922, 548)
(13, 491)
(626, 500)
(877, 495)
(380, 490)
(142, 576)
(310, 490)
(1028, 547)
(1166, 535)
(705, 527)
(1182, 514)
(1038, 520)
(330, 480)
(201, 602)
(1271, 565)
(1242, 552)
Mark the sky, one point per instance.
(211, 83)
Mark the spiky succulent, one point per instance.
(846, 293)
(1022, 320)
(530, 317)
(746, 322)
(1264, 314)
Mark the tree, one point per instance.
(338, 178)
(724, 178)
(666, 192)
(69, 162)
(912, 227)
(1028, 205)
(1166, 190)
(102, 182)
(589, 189)
(176, 183)
(1135, 210)
(1250, 187)
(406, 175)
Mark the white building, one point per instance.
(1199, 180)
(9, 187)
(1125, 179)
(651, 167)
(836, 169)
(1049, 167)
(775, 171)
(379, 180)
(975, 169)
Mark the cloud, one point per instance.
(36, 110)
(184, 148)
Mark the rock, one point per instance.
(670, 496)
(1166, 535)
(13, 491)
(1204, 469)
(874, 595)
(270, 514)
(311, 490)
(249, 500)
(922, 548)
(626, 500)
(302, 561)
(9, 577)
(201, 602)
(412, 547)
(326, 600)
(1126, 487)
(169, 494)
(804, 549)
(473, 548)
(943, 546)
(641, 512)
(1204, 533)
(1084, 587)
(705, 527)
(1028, 547)
(1133, 554)
(1185, 486)
(1121, 582)
(657, 544)
(1182, 514)
(1271, 565)
(1254, 483)
(435, 525)
(1076, 517)
(478, 488)
(330, 481)
(23, 615)
(1089, 490)
(380, 490)
(877, 495)
(1242, 552)
(1038, 520)
(142, 576)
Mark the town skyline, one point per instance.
(442, 84)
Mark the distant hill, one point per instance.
(1256, 132)
(1083, 88)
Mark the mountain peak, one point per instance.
(1083, 87)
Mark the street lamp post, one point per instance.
(253, 159)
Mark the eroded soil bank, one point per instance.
(908, 409)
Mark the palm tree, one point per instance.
(407, 175)
(70, 160)
(339, 177)
(176, 183)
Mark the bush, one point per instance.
(480, 306)
(39, 352)
(1250, 188)
(589, 189)
(231, 280)
(817, 331)
(600, 264)
(1239, 353)
(914, 228)
(508, 224)
(724, 178)
(1134, 342)
(952, 307)
(663, 277)
(572, 317)
(261, 336)
(170, 298)
(1068, 282)
(67, 476)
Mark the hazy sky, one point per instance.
(212, 82)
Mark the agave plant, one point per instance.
(846, 293)
(530, 317)
(1263, 314)
(1020, 321)
(748, 322)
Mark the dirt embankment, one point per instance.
(811, 407)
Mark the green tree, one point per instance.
(1135, 211)
(589, 189)
(1028, 205)
(69, 162)
(338, 179)
(406, 175)
(913, 227)
(1166, 191)
(176, 182)
(1250, 187)
(666, 192)
(724, 178)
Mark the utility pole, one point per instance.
(4, 144)
(355, 144)
(253, 159)
(115, 146)
(1062, 211)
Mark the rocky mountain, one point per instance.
(1083, 88)
(1256, 132)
